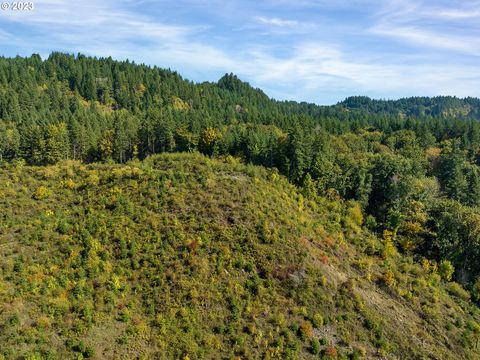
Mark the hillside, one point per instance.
(439, 106)
(182, 256)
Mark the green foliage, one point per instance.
(78, 231)
(457, 290)
(209, 141)
(315, 347)
(476, 290)
(446, 270)
(41, 193)
(181, 254)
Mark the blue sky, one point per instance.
(307, 50)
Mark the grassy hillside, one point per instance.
(181, 256)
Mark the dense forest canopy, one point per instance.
(412, 164)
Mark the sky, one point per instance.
(319, 51)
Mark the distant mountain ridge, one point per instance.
(444, 106)
(125, 84)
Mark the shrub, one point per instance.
(370, 223)
(446, 270)
(389, 279)
(234, 308)
(331, 352)
(41, 193)
(354, 218)
(115, 283)
(14, 320)
(33, 356)
(63, 227)
(69, 184)
(92, 180)
(358, 353)
(389, 249)
(317, 320)
(457, 290)
(476, 290)
(315, 348)
(89, 352)
(434, 279)
(306, 330)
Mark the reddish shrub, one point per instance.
(331, 352)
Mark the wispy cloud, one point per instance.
(314, 50)
(324, 69)
(431, 25)
(420, 36)
(455, 14)
(276, 21)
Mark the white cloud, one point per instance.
(276, 26)
(422, 24)
(455, 14)
(91, 18)
(316, 69)
(307, 68)
(427, 38)
(276, 21)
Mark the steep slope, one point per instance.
(181, 256)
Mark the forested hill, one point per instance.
(41, 89)
(440, 106)
(383, 194)
(185, 257)
(412, 165)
